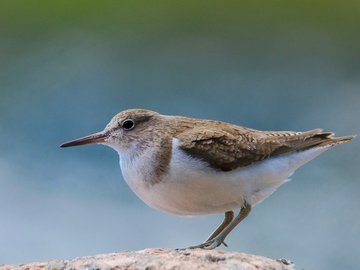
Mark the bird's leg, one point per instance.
(219, 239)
(229, 215)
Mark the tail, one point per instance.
(325, 139)
(301, 141)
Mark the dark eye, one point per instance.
(128, 124)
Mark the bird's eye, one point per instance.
(128, 124)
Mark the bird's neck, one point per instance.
(148, 163)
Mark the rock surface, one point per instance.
(153, 259)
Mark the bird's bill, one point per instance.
(93, 138)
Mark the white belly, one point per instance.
(192, 188)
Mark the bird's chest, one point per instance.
(186, 188)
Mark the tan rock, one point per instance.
(153, 259)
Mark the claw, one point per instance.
(211, 244)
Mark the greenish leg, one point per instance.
(229, 215)
(218, 237)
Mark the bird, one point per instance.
(188, 166)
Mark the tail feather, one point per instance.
(331, 141)
(310, 139)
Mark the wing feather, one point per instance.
(230, 148)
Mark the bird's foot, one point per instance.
(210, 244)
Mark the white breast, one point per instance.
(192, 188)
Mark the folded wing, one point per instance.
(231, 148)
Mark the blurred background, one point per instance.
(66, 67)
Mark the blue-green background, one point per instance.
(66, 67)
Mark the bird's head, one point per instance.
(127, 130)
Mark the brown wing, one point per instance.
(232, 148)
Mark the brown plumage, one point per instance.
(227, 147)
(223, 145)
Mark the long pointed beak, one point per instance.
(93, 138)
